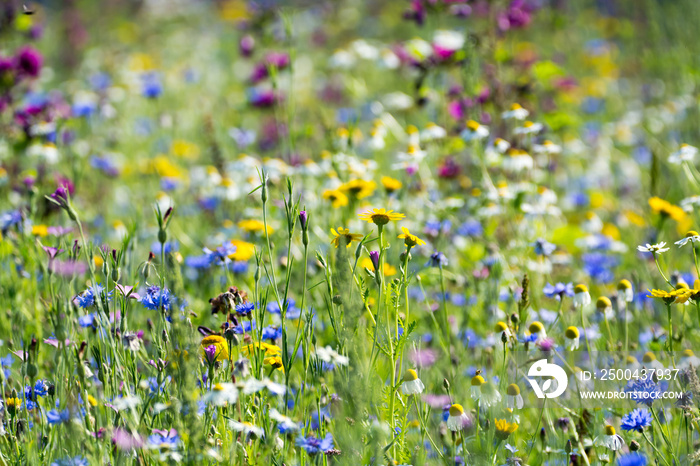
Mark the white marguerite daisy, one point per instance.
(572, 338)
(649, 361)
(457, 418)
(247, 429)
(329, 355)
(686, 153)
(412, 385)
(625, 290)
(516, 112)
(221, 394)
(582, 297)
(513, 397)
(529, 127)
(692, 236)
(610, 440)
(474, 131)
(476, 383)
(653, 248)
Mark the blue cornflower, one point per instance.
(87, 320)
(559, 290)
(312, 445)
(244, 309)
(637, 420)
(100, 81)
(151, 85)
(170, 246)
(643, 390)
(199, 262)
(271, 333)
(437, 259)
(88, 297)
(68, 461)
(435, 227)
(470, 228)
(58, 417)
(10, 219)
(244, 327)
(599, 266)
(6, 363)
(222, 253)
(632, 459)
(155, 298)
(543, 247)
(164, 439)
(41, 388)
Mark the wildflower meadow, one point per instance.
(357, 232)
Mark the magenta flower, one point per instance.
(28, 62)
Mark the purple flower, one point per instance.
(374, 255)
(60, 196)
(303, 218)
(28, 62)
(246, 45)
(210, 353)
(125, 440)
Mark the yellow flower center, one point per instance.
(456, 410)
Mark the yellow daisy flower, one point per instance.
(409, 239)
(343, 236)
(381, 217)
(338, 198)
(270, 350)
(359, 189)
(504, 428)
(391, 184)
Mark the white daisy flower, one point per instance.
(457, 418)
(412, 385)
(686, 153)
(610, 440)
(474, 131)
(433, 132)
(517, 160)
(477, 382)
(536, 328)
(572, 338)
(221, 394)
(253, 385)
(547, 147)
(653, 248)
(625, 291)
(516, 112)
(246, 428)
(689, 359)
(513, 397)
(286, 423)
(691, 236)
(529, 127)
(329, 355)
(649, 361)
